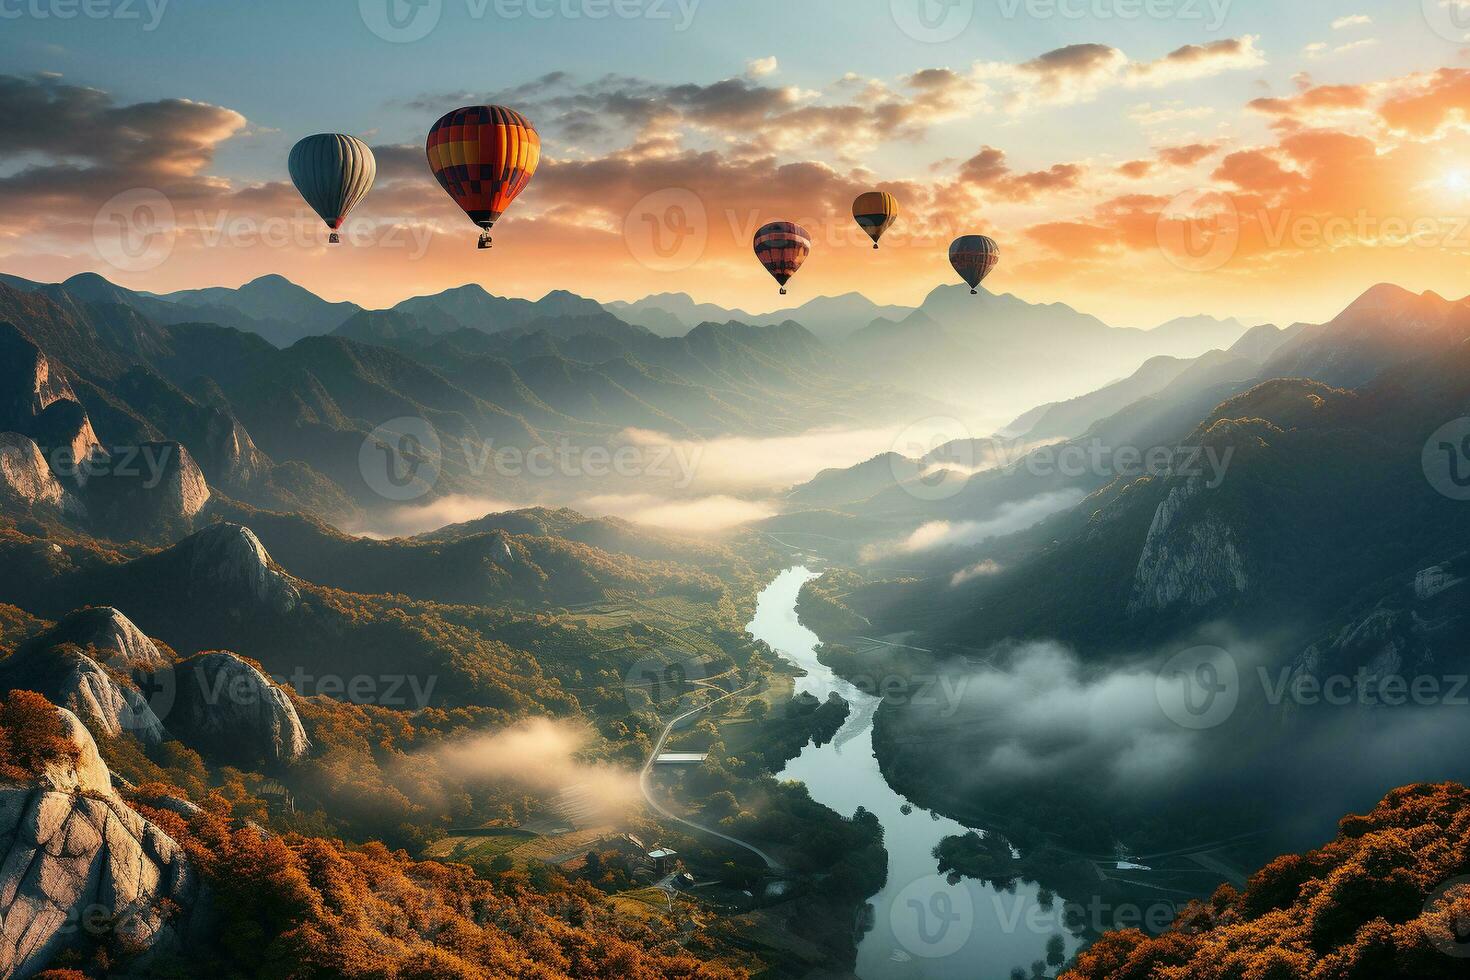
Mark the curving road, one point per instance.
(643, 784)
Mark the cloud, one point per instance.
(690, 515)
(988, 171)
(164, 138)
(1189, 154)
(761, 67)
(982, 569)
(90, 148)
(1316, 102)
(542, 755)
(1195, 61)
(1009, 518)
(743, 115)
(1039, 716)
(1184, 156)
(421, 518)
(1321, 49)
(1150, 116)
(1427, 105)
(1081, 72)
(1351, 20)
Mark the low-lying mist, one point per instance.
(1037, 717)
(686, 485)
(541, 756)
(938, 536)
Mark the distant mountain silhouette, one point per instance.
(830, 318)
(472, 307)
(272, 306)
(993, 350)
(1323, 522)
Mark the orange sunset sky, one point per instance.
(1270, 163)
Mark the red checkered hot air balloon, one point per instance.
(483, 157)
(974, 257)
(782, 246)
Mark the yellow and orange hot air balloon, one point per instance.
(875, 211)
(483, 156)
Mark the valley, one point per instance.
(855, 728)
(662, 490)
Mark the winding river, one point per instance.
(923, 928)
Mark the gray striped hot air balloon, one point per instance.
(333, 171)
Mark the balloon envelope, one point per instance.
(483, 156)
(974, 257)
(782, 246)
(333, 172)
(875, 211)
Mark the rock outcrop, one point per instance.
(37, 400)
(106, 628)
(106, 700)
(78, 866)
(148, 487)
(1190, 556)
(229, 562)
(183, 489)
(26, 482)
(226, 708)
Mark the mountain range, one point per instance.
(1315, 429)
(283, 427)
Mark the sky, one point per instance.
(1136, 159)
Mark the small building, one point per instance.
(664, 860)
(680, 758)
(277, 797)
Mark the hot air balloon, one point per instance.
(875, 211)
(483, 156)
(782, 247)
(333, 171)
(974, 257)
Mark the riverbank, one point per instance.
(922, 926)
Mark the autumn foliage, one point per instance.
(297, 906)
(1388, 898)
(31, 735)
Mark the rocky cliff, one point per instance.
(104, 698)
(26, 483)
(79, 868)
(1190, 556)
(227, 708)
(37, 399)
(228, 562)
